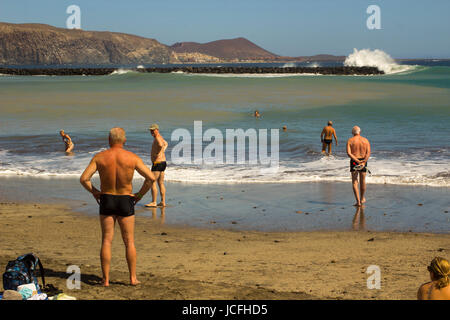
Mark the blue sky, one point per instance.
(409, 29)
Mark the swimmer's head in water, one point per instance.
(440, 270)
(330, 123)
(356, 130)
(117, 136)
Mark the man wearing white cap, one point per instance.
(159, 165)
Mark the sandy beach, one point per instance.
(193, 263)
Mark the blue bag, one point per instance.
(22, 271)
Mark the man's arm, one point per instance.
(322, 134)
(165, 145)
(160, 141)
(86, 176)
(366, 158)
(335, 137)
(144, 171)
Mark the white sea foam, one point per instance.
(337, 170)
(289, 65)
(375, 58)
(121, 71)
(433, 173)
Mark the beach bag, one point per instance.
(22, 271)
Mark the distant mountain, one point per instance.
(44, 44)
(229, 49)
(40, 44)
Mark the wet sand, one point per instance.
(262, 207)
(193, 263)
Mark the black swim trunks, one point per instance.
(159, 166)
(353, 164)
(117, 205)
(327, 141)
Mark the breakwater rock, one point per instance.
(198, 70)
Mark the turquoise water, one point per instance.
(405, 116)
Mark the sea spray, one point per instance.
(289, 65)
(121, 71)
(375, 58)
(313, 65)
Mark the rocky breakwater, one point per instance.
(197, 70)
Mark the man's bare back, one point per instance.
(359, 148)
(116, 169)
(328, 132)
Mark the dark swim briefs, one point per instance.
(353, 164)
(117, 205)
(327, 141)
(159, 166)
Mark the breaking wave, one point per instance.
(375, 58)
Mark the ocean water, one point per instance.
(405, 115)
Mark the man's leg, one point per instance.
(127, 229)
(324, 146)
(329, 148)
(355, 187)
(154, 190)
(362, 186)
(70, 148)
(162, 189)
(107, 224)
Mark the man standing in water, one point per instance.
(67, 141)
(326, 137)
(358, 149)
(159, 164)
(116, 169)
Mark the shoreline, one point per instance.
(177, 262)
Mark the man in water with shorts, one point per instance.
(67, 141)
(326, 137)
(159, 165)
(116, 169)
(358, 149)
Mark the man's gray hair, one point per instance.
(117, 135)
(356, 130)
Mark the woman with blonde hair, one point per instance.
(439, 286)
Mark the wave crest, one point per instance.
(375, 58)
